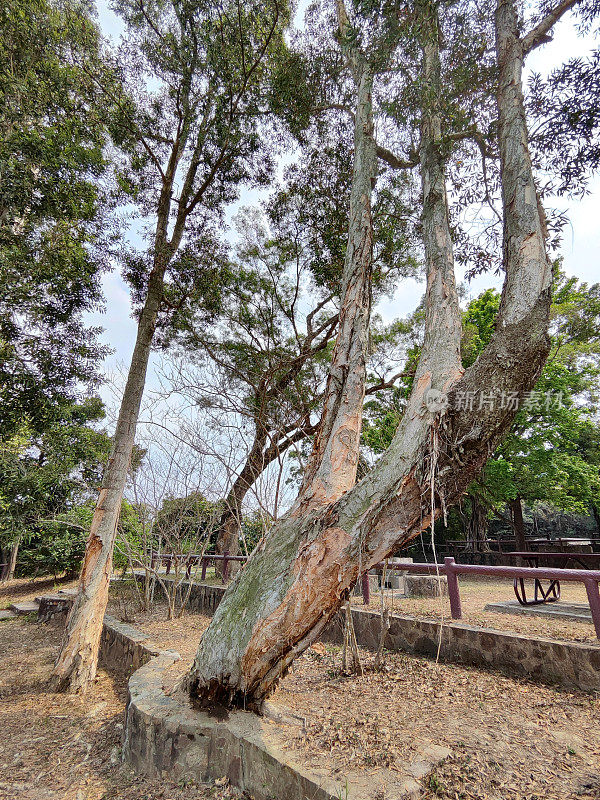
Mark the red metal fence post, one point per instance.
(453, 589)
(591, 587)
(366, 588)
(203, 573)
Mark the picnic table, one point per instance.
(550, 594)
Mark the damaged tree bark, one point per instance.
(299, 575)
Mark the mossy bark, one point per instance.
(301, 572)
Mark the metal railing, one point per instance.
(194, 559)
(589, 577)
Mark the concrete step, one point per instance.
(570, 612)
(6, 614)
(27, 607)
(53, 596)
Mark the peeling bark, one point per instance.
(334, 459)
(75, 668)
(299, 576)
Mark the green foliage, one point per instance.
(478, 323)
(552, 452)
(185, 524)
(548, 454)
(58, 545)
(45, 474)
(54, 231)
(188, 89)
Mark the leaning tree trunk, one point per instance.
(75, 667)
(301, 573)
(228, 535)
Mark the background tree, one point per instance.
(53, 211)
(45, 475)
(187, 102)
(544, 458)
(55, 237)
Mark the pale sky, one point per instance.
(580, 247)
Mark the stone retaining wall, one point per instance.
(572, 665)
(204, 598)
(122, 647)
(165, 735)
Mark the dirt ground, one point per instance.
(60, 747)
(22, 589)
(511, 739)
(475, 594)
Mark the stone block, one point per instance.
(425, 586)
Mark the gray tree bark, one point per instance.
(299, 576)
(516, 512)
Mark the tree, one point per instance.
(44, 475)
(301, 572)
(187, 100)
(542, 458)
(55, 230)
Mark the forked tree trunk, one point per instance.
(300, 574)
(75, 667)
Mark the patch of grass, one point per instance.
(435, 784)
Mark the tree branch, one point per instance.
(397, 163)
(539, 35)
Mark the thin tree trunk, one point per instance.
(258, 459)
(12, 560)
(10, 553)
(75, 667)
(516, 510)
(228, 537)
(299, 576)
